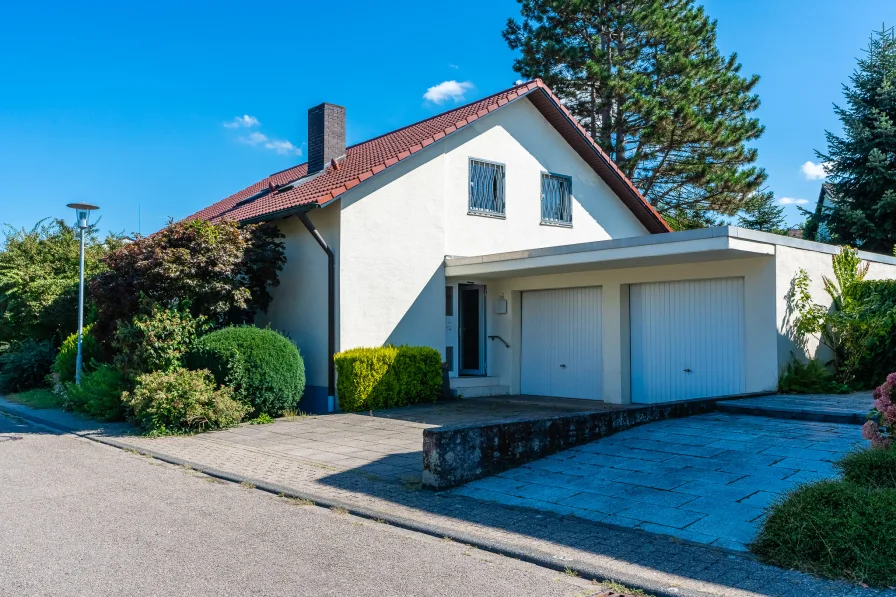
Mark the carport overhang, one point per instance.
(691, 246)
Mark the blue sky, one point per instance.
(124, 104)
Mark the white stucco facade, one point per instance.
(403, 236)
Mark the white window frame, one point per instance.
(546, 220)
(500, 199)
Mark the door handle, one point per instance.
(563, 366)
(687, 370)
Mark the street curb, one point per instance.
(532, 556)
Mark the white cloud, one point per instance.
(447, 90)
(281, 146)
(813, 171)
(254, 138)
(244, 121)
(454, 66)
(792, 201)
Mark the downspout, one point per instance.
(331, 310)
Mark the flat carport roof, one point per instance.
(690, 246)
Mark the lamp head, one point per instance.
(82, 212)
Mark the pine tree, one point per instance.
(862, 163)
(646, 80)
(762, 213)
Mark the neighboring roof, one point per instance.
(284, 192)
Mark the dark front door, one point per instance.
(472, 329)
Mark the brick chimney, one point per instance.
(326, 135)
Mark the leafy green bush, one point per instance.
(871, 468)
(223, 270)
(39, 278)
(263, 367)
(182, 401)
(369, 378)
(66, 358)
(809, 378)
(156, 341)
(99, 395)
(833, 528)
(25, 365)
(867, 326)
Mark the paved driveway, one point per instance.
(705, 478)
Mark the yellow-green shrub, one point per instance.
(369, 378)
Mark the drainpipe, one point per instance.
(331, 310)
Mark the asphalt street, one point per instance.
(80, 518)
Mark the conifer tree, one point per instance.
(861, 164)
(646, 80)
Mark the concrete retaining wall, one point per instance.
(457, 454)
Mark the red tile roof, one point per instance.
(275, 196)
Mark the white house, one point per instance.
(500, 234)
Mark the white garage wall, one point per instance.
(760, 346)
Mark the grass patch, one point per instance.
(338, 510)
(247, 485)
(620, 588)
(836, 529)
(38, 398)
(872, 468)
(262, 419)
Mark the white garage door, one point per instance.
(687, 339)
(561, 347)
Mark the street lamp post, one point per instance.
(82, 212)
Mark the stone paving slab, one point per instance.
(662, 565)
(711, 490)
(832, 408)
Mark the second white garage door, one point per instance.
(561, 343)
(687, 339)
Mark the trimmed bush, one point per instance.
(99, 395)
(156, 341)
(369, 378)
(66, 358)
(25, 365)
(871, 468)
(263, 367)
(182, 401)
(833, 528)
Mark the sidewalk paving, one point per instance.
(659, 565)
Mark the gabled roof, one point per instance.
(285, 192)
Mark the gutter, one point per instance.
(331, 309)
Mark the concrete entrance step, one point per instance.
(829, 408)
(478, 387)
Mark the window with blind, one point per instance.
(556, 199)
(486, 188)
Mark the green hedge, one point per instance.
(64, 367)
(369, 378)
(836, 529)
(99, 394)
(872, 468)
(263, 367)
(25, 365)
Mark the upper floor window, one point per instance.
(556, 199)
(486, 188)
